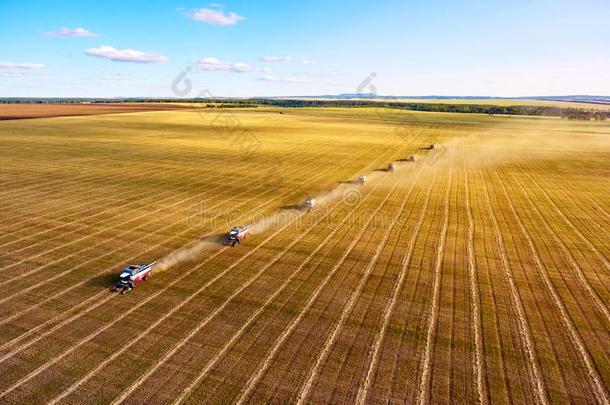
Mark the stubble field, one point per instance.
(477, 274)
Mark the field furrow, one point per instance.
(558, 302)
(517, 304)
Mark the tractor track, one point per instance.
(350, 347)
(591, 246)
(583, 281)
(416, 292)
(524, 330)
(425, 381)
(354, 352)
(314, 371)
(398, 285)
(309, 279)
(574, 335)
(555, 171)
(278, 343)
(528, 291)
(568, 253)
(475, 298)
(595, 217)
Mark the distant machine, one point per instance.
(132, 275)
(390, 167)
(310, 203)
(411, 158)
(362, 179)
(432, 146)
(236, 234)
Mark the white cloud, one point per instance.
(214, 64)
(10, 74)
(300, 78)
(289, 79)
(115, 76)
(215, 17)
(306, 62)
(125, 55)
(72, 33)
(275, 58)
(15, 65)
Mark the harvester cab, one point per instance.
(132, 275)
(236, 234)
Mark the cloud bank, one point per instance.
(214, 64)
(16, 65)
(215, 17)
(77, 32)
(275, 58)
(10, 74)
(125, 55)
(289, 79)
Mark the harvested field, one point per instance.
(480, 273)
(24, 111)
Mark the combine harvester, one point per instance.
(310, 203)
(132, 275)
(390, 167)
(362, 179)
(236, 234)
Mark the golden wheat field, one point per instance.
(479, 273)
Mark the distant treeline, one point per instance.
(551, 111)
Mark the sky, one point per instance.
(312, 47)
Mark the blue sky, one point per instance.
(271, 48)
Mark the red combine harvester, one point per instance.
(236, 234)
(132, 275)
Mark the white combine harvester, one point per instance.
(362, 179)
(236, 234)
(132, 275)
(310, 203)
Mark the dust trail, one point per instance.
(348, 191)
(190, 252)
